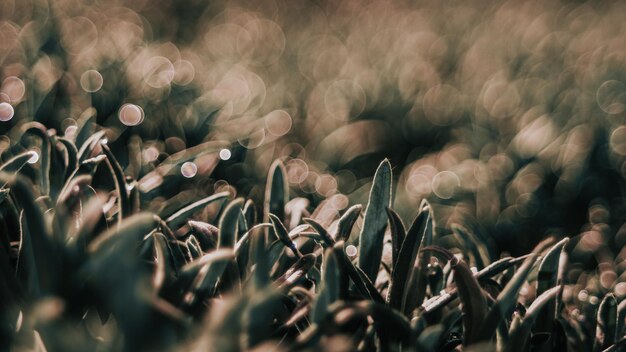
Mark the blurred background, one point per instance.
(509, 117)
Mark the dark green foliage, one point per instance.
(375, 222)
(170, 284)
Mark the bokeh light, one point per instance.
(131, 114)
(351, 250)
(278, 122)
(91, 81)
(34, 158)
(6, 111)
(225, 154)
(14, 88)
(188, 169)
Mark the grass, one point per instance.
(86, 269)
(294, 175)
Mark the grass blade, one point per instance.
(261, 276)
(398, 234)
(324, 235)
(206, 234)
(547, 278)
(520, 334)
(276, 192)
(16, 163)
(300, 268)
(131, 231)
(606, 323)
(38, 256)
(283, 236)
(375, 222)
(87, 148)
(330, 290)
(228, 224)
(40, 131)
(507, 299)
(72, 157)
(621, 318)
(473, 244)
(471, 294)
(360, 279)
(182, 215)
(346, 222)
(418, 274)
(120, 183)
(406, 260)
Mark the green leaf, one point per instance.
(415, 292)
(297, 270)
(375, 222)
(226, 329)
(261, 275)
(72, 157)
(606, 323)
(474, 303)
(16, 163)
(398, 234)
(38, 260)
(191, 270)
(392, 328)
(276, 192)
(330, 286)
(92, 216)
(245, 224)
(130, 232)
(327, 240)
(228, 224)
(164, 266)
(261, 314)
(283, 236)
(182, 215)
(520, 334)
(621, 318)
(471, 294)
(618, 346)
(120, 183)
(206, 234)
(405, 262)
(249, 213)
(360, 279)
(87, 148)
(87, 167)
(438, 302)
(245, 256)
(507, 299)
(474, 244)
(429, 339)
(40, 131)
(205, 283)
(194, 247)
(68, 201)
(346, 222)
(86, 124)
(547, 278)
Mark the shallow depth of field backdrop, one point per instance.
(509, 117)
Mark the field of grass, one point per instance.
(306, 175)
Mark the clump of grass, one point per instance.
(86, 267)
